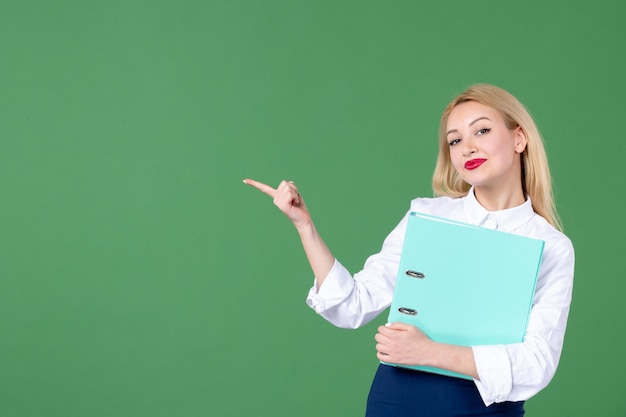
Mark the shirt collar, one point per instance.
(505, 220)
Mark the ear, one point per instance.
(520, 139)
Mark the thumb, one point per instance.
(398, 326)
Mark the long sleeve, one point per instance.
(518, 371)
(351, 302)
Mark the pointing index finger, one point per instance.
(261, 187)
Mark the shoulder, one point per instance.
(556, 242)
(556, 271)
(541, 227)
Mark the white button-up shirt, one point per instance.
(513, 372)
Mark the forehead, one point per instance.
(467, 112)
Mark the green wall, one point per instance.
(140, 277)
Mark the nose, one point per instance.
(469, 147)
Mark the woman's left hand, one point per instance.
(403, 344)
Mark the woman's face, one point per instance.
(483, 150)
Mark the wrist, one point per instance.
(305, 228)
(432, 354)
(451, 357)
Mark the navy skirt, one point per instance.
(401, 392)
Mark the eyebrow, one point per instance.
(473, 121)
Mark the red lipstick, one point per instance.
(474, 163)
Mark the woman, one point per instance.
(492, 171)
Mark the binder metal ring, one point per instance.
(415, 274)
(407, 311)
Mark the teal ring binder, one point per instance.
(481, 296)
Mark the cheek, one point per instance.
(456, 158)
(505, 145)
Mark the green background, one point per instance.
(140, 277)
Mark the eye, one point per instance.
(454, 142)
(483, 131)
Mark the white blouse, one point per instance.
(513, 372)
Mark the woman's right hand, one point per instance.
(287, 198)
(289, 201)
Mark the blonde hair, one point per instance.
(536, 179)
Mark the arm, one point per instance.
(287, 198)
(345, 300)
(518, 371)
(405, 344)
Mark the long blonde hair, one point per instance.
(536, 179)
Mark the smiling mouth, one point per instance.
(474, 163)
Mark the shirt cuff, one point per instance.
(494, 369)
(333, 290)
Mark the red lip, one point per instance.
(474, 163)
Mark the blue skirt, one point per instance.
(401, 392)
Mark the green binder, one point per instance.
(463, 284)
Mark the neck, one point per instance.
(495, 201)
